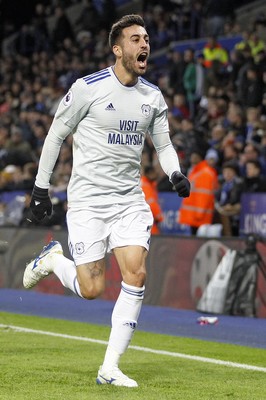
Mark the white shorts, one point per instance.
(94, 231)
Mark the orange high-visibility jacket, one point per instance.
(198, 208)
(151, 196)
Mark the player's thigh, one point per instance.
(87, 235)
(132, 264)
(91, 278)
(133, 227)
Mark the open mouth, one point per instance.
(142, 59)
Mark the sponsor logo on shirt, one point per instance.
(125, 139)
(126, 125)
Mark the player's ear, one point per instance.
(117, 50)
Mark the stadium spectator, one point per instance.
(63, 28)
(190, 80)
(259, 23)
(198, 208)
(243, 44)
(161, 37)
(200, 76)
(39, 132)
(212, 158)
(254, 181)
(89, 18)
(15, 178)
(253, 123)
(236, 122)
(228, 198)
(257, 45)
(216, 14)
(216, 62)
(196, 19)
(180, 109)
(149, 187)
(40, 28)
(26, 41)
(9, 175)
(217, 135)
(16, 142)
(230, 153)
(176, 67)
(108, 13)
(252, 91)
(215, 53)
(252, 152)
(16, 153)
(186, 139)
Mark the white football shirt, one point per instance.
(109, 122)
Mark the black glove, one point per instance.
(181, 184)
(40, 204)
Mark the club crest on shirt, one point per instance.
(79, 247)
(68, 98)
(146, 110)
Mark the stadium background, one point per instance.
(171, 283)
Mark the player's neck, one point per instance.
(123, 76)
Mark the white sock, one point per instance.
(66, 271)
(124, 322)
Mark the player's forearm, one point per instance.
(50, 152)
(168, 158)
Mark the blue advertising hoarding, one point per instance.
(170, 204)
(253, 214)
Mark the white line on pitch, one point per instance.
(138, 348)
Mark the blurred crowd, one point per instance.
(216, 96)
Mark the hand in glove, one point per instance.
(40, 205)
(181, 184)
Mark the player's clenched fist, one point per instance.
(40, 205)
(181, 184)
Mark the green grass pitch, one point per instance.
(39, 367)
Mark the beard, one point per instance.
(132, 66)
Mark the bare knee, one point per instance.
(91, 291)
(135, 278)
(91, 279)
